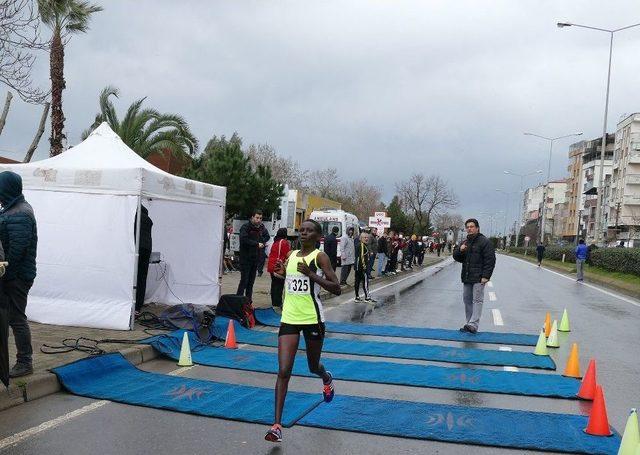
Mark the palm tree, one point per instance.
(63, 17)
(145, 130)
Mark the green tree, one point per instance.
(399, 220)
(64, 18)
(145, 130)
(224, 163)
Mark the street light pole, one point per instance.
(506, 213)
(522, 176)
(599, 204)
(551, 140)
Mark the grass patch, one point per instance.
(623, 282)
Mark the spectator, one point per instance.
(382, 254)
(331, 246)
(478, 259)
(412, 246)
(347, 255)
(422, 247)
(393, 245)
(19, 239)
(361, 247)
(373, 251)
(253, 238)
(279, 251)
(581, 256)
(144, 254)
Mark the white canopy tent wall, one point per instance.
(85, 201)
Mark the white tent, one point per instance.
(85, 201)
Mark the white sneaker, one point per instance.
(358, 299)
(370, 300)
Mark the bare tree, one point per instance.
(425, 197)
(5, 110)
(19, 38)
(284, 170)
(361, 199)
(36, 138)
(326, 183)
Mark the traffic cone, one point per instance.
(541, 346)
(552, 341)
(631, 436)
(573, 364)
(230, 339)
(564, 322)
(588, 386)
(547, 325)
(185, 352)
(598, 424)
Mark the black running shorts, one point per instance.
(309, 331)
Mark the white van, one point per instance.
(328, 218)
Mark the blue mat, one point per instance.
(271, 318)
(112, 377)
(531, 384)
(460, 424)
(399, 350)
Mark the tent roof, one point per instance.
(104, 164)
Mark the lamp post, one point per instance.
(522, 176)
(544, 192)
(506, 213)
(606, 111)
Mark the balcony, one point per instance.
(634, 158)
(633, 179)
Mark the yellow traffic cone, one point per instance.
(185, 352)
(631, 436)
(547, 324)
(541, 346)
(564, 322)
(552, 341)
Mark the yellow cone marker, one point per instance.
(631, 436)
(185, 352)
(541, 346)
(552, 341)
(564, 322)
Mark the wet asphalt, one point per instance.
(606, 328)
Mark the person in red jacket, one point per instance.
(279, 251)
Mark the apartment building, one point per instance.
(591, 182)
(573, 195)
(623, 210)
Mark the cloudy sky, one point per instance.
(378, 89)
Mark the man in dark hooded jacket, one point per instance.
(19, 237)
(478, 259)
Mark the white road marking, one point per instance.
(490, 284)
(19, 437)
(497, 317)
(507, 348)
(48, 425)
(492, 296)
(611, 294)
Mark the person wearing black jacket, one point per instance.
(253, 238)
(144, 254)
(331, 247)
(478, 258)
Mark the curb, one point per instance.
(40, 385)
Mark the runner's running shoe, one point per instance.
(327, 389)
(274, 434)
(358, 299)
(370, 300)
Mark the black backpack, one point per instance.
(236, 307)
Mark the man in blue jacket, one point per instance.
(581, 256)
(19, 237)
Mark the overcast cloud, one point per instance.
(378, 89)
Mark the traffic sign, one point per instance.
(379, 222)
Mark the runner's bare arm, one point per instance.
(330, 280)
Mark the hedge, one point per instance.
(624, 260)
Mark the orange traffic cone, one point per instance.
(573, 364)
(547, 325)
(230, 339)
(598, 424)
(588, 387)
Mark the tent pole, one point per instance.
(224, 233)
(135, 263)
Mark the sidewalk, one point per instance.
(42, 382)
